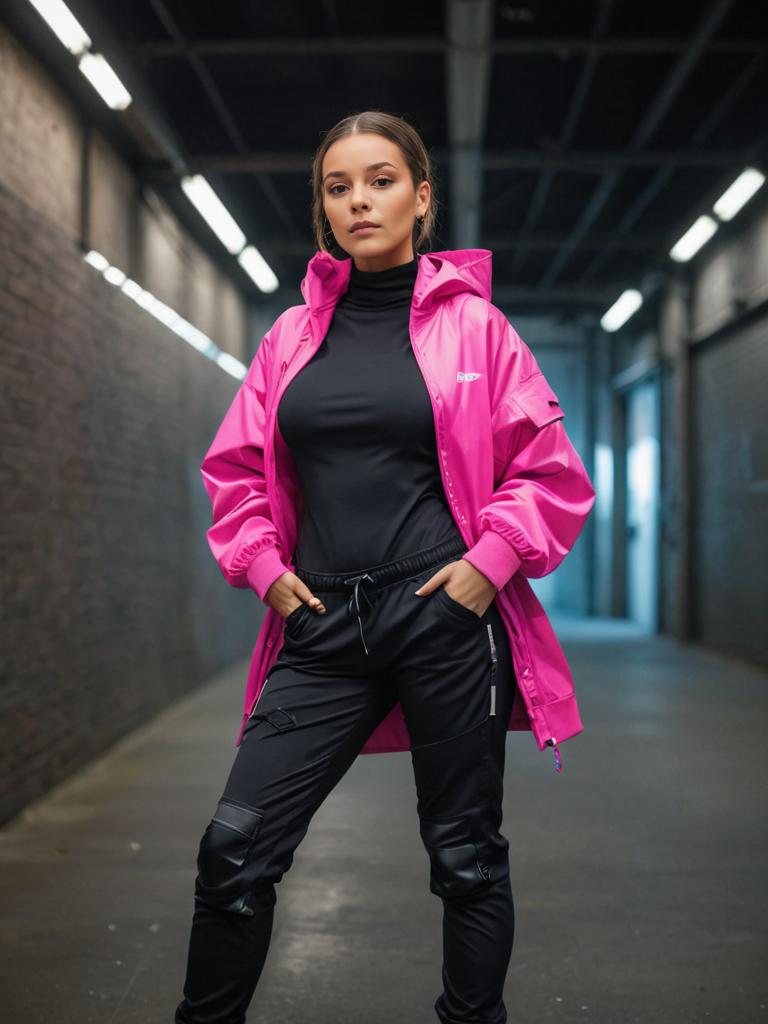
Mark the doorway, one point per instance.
(642, 489)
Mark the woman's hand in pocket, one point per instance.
(468, 586)
(288, 592)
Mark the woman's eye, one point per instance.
(333, 188)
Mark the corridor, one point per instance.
(637, 872)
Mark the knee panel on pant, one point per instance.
(462, 859)
(225, 850)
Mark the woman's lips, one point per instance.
(365, 231)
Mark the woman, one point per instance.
(391, 471)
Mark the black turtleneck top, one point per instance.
(359, 422)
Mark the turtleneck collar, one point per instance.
(380, 289)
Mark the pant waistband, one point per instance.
(381, 575)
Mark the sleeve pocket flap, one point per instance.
(538, 401)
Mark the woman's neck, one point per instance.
(381, 289)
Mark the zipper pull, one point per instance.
(552, 742)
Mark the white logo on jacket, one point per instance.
(461, 375)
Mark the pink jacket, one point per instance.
(517, 488)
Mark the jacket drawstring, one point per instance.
(357, 580)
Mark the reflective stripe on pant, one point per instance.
(327, 690)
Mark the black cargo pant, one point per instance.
(336, 676)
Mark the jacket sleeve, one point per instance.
(242, 537)
(542, 494)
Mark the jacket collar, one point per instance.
(439, 275)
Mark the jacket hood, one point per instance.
(439, 275)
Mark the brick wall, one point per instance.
(112, 605)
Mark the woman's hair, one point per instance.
(414, 153)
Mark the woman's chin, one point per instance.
(370, 247)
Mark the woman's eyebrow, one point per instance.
(370, 167)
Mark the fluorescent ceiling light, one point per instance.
(96, 260)
(166, 315)
(213, 212)
(627, 303)
(114, 275)
(739, 193)
(145, 299)
(257, 268)
(194, 336)
(163, 313)
(104, 81)
(63, 24)
(131, 289)
(231, 365)
(697, 234)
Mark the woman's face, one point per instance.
(365, 178)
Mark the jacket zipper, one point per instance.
(447, 483)
(272, 484)
(283, 367)
(273, 413)
(448, 487)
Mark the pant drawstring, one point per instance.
(355, 597)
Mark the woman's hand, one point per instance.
(288, 592)
(468, 585)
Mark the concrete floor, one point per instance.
(639, 874)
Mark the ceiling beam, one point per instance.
(565, 46)
(661, 102)
(631, 216)
(577, 103)
(224, 116)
